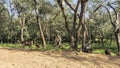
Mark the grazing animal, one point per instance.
(107, 52)
(27, 43)
(37, 45)
(87, 49)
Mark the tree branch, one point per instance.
(64, 15)
(69, 5)
(83, 5)
(112, 9)
(110, 16)
(100, 5)
(75, 16)
(56, 15)
(97, 8)
(75, 10)
(78, 3)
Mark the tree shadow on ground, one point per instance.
(96, 60)
(74, 56)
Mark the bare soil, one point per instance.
(19, 58)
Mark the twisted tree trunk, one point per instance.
(74, 32)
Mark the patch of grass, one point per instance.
(66, 46)
(113, 54)
(101, 51)
(48, 47)
(98, 51)
(10, 45)
(99, 48)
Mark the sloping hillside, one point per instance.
(16, 58)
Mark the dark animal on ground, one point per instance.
(87, 49)
(27, 43)
(107, 52)
(37, 45)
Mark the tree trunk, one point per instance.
(117, 36)
(115, 24)
(72, 42)
(22, 22)
(75, 31)
(11, 21)
(39, 22)
(76, 42)
(117, 31)
(83, 38)
(42, 35)
(102, 40)
(21, 36)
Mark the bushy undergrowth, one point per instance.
(97, 48)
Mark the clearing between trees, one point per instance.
(21, 58)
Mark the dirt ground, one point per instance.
(18, 58)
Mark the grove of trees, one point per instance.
(77, 22)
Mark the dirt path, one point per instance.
(13, 58)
